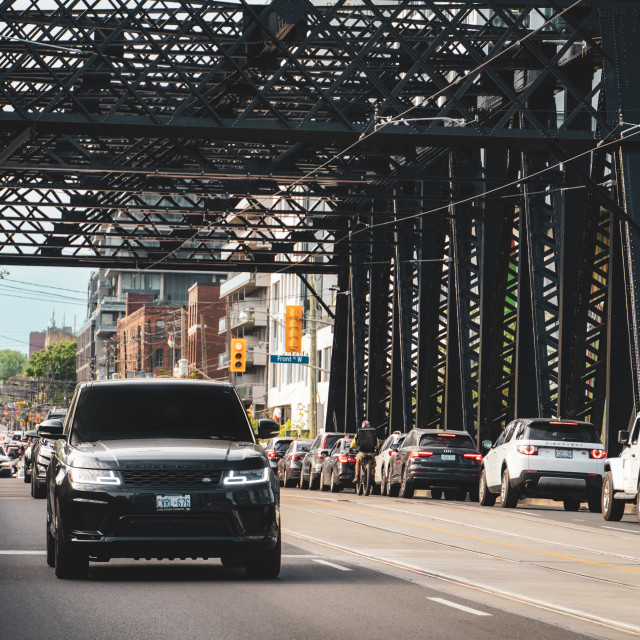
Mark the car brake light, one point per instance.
(474, 456)
(597, 454)
(345, 459)
(421, 454)
(319, 456)
(272, 454)
(527, 449)
(446, 435)
(575, 424)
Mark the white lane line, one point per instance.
(21, 552)
(331, 564)
(299, 555)
(455, 605)
(636, 531)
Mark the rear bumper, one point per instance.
(557, 484)
(443, 478)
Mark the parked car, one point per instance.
(544, 458)
(443, 461)
(338, 467)
(161, 468)
(387, 452)
(312, 464)
(290, 464)
(7, 464)
(275, 450)
(40, 456)
(622, 475)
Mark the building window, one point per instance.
(158, 358)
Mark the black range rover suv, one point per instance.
(161, 468)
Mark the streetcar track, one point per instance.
(485, 554)
(505, 534)
(477, 586)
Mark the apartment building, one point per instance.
(246, 308)
(205, 345)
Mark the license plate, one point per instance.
(173, 503)
(564, 453)
(445, 457)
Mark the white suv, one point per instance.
(389, 447)
(544, 458)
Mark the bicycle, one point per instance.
(365, 483)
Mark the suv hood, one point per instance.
(166, 453)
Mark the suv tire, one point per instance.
(37, 491)
(69, 561)
(612, 509)
(267, 566)
(508, 495)
(571, 504)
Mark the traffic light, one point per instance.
(238, 355)
(293, 329)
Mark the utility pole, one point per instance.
(203, 337)
(313, 392)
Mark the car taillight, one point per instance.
(597, 454)
(421, 454)
(319, 456)
(297, 456)
(272, 454)
(474, 456)
(345, 459)
(527, 450)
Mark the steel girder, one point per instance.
(306, 136)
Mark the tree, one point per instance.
(11, 363)
(55, 366)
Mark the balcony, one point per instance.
(222, 325)
(244, 281)
(105, 329)
(248, 316)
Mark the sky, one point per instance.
(30, 297)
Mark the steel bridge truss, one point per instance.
(468, 169)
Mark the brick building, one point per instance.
(143, 347)
(205, 345)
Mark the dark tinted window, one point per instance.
(331, 440)
(447, 441)
(114, 412)
(564, 432)
(282, 446)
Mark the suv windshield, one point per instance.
(130, 411)
(563, 432)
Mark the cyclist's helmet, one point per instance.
(365, 424)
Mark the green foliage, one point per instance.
(58, 361)
(11, 363)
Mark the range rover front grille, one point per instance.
(171, 478)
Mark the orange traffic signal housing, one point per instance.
(238, 355)
(293, 329)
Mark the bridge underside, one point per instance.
(468, 169)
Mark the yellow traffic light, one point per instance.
(293, 329)
(238, 355)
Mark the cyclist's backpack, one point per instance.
(367, 440)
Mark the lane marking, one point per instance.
(21, 552)
(498, 543)
(331, 564)
(455, 605)
(463, 582)
(604, 526)
(299, 555)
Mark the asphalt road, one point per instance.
(350, 568)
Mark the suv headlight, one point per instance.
(94, 477)
(246, 476)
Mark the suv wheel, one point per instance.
(313, 484)
(612, 509)
(51, 544)
(37, 490)
(69, 562)
(334, 486)
(266, 566)
(486, 498)
(436, 494)
(595, 503)
(323, 486)
(303, 483)
(571, 504)
(508, 496)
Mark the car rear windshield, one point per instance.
(283, 446)
(564, 432)
(113, 412)
(447, 441)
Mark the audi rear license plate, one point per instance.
(173, 503)
(564, 453)
(445, 457)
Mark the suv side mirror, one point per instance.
(50, 428)
(623, 437)
(487, 444)
(267, 428)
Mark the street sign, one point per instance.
(289, 359)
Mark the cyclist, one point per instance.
(367, 442)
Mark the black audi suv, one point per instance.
(161, 468)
